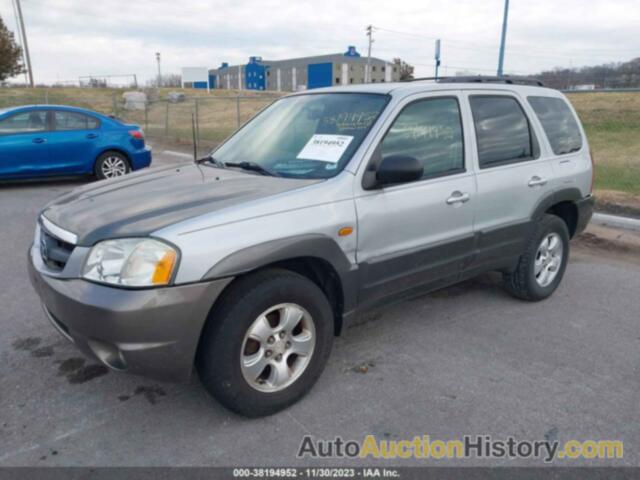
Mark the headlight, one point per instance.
(132, 262)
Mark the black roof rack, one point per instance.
(483, 79)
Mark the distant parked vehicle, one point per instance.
(49, 140)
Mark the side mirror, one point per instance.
(399, 169)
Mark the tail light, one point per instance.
(137, 134)
(593, 171)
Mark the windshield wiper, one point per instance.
(210, 158)
(252, 166)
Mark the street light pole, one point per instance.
(25, 45)
(503, 38)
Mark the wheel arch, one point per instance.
(119, 150)
(316, 257)
(561, 203)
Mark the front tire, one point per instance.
(543, 263)
(111, 165)
(266, 342)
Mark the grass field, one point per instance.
(612, 121)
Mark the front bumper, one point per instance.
(585, 212)
(151, 332)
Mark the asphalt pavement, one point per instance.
(466, 360)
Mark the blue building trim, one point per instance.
(200, 85)
(319, 75)
(351, 52)
(255, 74)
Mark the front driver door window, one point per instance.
(26, 122)
(431, 131)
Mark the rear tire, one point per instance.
(247, 354)
(543, 263)
(111, 165)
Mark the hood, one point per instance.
(141, 203)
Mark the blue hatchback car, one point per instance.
(49, 140)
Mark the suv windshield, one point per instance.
(305, 136)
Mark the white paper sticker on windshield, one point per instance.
(326, 148)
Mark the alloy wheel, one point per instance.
(113, 166)
(278, 347)
(548, 259)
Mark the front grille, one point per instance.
(54, 252)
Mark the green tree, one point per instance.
(10, 54)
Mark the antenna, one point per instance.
(195, 142)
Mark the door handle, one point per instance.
(39, 140)
(92, 135)
(536, 181)
(458, 197)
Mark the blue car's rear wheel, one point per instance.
(111, 165)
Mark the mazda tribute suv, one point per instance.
(247, 263)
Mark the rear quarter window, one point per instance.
(559, 124)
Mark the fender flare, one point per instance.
(316, 246)
(569, 194)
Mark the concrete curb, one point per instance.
(616, 221)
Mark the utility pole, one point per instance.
(19, 31)
(367, 73)
(504, 37)
(437, 57)
(25, 45)
(159, 71)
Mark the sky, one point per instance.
(72, 38)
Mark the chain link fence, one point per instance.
(216, 116)
(209, 119)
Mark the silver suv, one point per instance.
(248, 262)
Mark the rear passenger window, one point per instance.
(558, 123)
(74, 121)
(430, 131)
(502, 130)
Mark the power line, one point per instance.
(473, 46)
(467, 67)
(404, 33)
